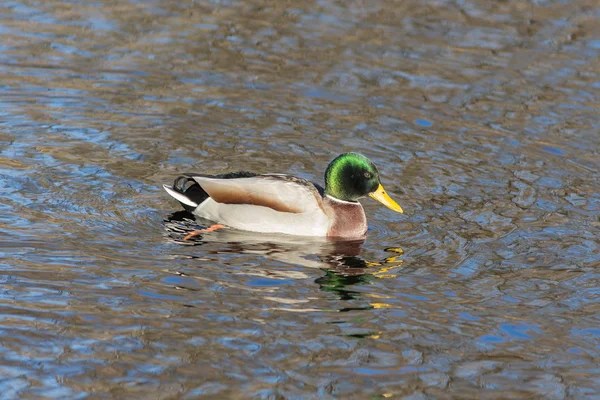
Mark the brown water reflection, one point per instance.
(483, 119)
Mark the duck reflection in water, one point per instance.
(340, 260)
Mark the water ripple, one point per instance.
(481, 117)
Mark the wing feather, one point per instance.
(281, 193)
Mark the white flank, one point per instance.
(263, 219)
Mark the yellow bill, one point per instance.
(381, 196)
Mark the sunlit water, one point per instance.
(482, 117)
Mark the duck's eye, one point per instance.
(367, 175)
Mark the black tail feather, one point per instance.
(189, 188)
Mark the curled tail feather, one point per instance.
(190, 196)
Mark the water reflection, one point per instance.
(341, 261)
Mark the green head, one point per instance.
(351, 176)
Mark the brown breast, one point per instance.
(348, 219)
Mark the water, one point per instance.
(482, 117)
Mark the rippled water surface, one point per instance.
(481, 115)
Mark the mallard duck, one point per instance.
(279, 203)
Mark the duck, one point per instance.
(286, 204)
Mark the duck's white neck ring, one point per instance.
(341, 201)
